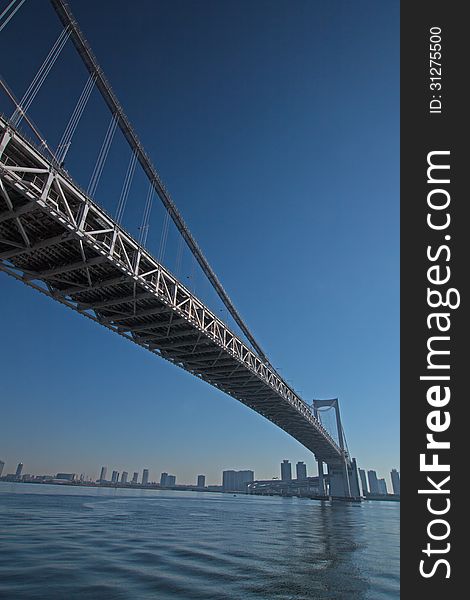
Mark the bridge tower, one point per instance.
(342, 474)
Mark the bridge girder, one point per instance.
(75, 253)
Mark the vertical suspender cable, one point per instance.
(125, 188)
(163, 238)
(40, 77)
(144, 228)
(66, 139)
(12, 14)
(34, 129)
(193, 274)
(102, 156)
(7, 9)
(179, 256)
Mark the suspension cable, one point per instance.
(179, 256)
(40, 77)
(345, 440)
(86, 54)
(325, 418)
(144, 228)
(11, 15)
(102, 156)
(163, 238)
(34, 129)
(66, 139)
(126, 187)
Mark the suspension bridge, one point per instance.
(56, 238)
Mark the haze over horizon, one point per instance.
(275, 128)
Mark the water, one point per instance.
(65, 543)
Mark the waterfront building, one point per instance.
(229, 481)
(301, 470)
(236, 481)
(2, 464)
(309, 487)
(286, 471)
(145, 477)
(19, 469)
(201, 481)
(373, 482)
(362, 475)
(66, 476)
(382, 487)
(167, 480)
(124, 477)
(104, 470)
(395, 477)
(115, 477)
(135, 477)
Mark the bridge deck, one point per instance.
(57, 240)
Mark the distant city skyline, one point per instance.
(284, 168)
(369, 480)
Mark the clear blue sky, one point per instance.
(275, 126)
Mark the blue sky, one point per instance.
(275, 126)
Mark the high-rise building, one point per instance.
(301, 470)
(115, 477)
(395, 477)
(362, 475)
(201, 481)
(19, 469)
(167, 480)
(286, 471)
(124, 477)
(236, 481)
(229, 483)
(135, 477)
(2, 464)
(145, 477)
(103, 474)
(382, 487)
(373, 482)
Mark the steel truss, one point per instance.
(57, 240)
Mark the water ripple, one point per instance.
(80, 543)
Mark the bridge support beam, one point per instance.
(321, 479)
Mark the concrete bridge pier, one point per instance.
(321, 478)
(344, 481)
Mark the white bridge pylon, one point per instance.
(343, 480)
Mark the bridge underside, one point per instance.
(57, 240)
